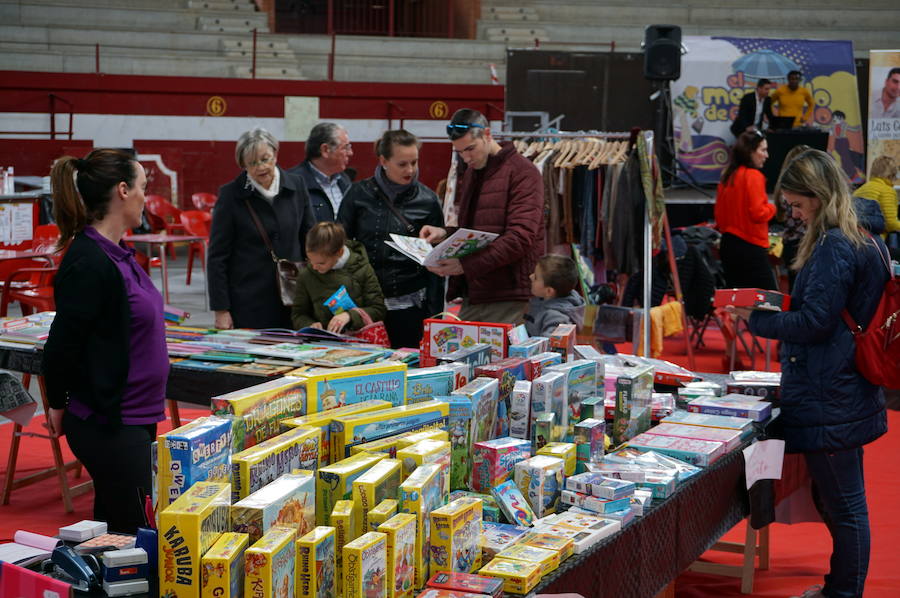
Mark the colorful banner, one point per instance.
(884, 105)
(716, 72)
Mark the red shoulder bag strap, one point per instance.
(855, 328)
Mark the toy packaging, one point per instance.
(731, 438)
(548, 395)
(343, 519)
(187, 530)
(382, 512)
(483, 392)
(763, 385)
(520, 410)
(406, 440)
(315, 564)
(562, 339)
(323, 420)
(547, 541)
(460, 428)
(593, 408)
(253, 468)
(327, 388)
(725, 422)
(365, 567)
(466, 582)
(662, 486)
(474, 356)
(513, 504)
(423, 384)
(734, 406)
(335, 482)
(548, 560)
(542, 361)
(562, 450)
(582, 540)
(507, 372)
(540, 480)
(389, 445)
(592, 503)
(350, 430)
(582, 482)
(289, 501)
(401, 547)
(752, 298)
(269, 564)
(257, 410)
(339, 301)
(380, 482)
(544, 425)
(634, 388)
(589, 441)
(421, 493)
(530, 347)
(519, 577)
(439, 593)
(463, 373)
(582, 379)
(493, 461)
(445, 336)
(611, 489)
(223, 567)
(427, 451)
(195, 452)
(696, 452)
(490, 510)
(455, 530)
(583, 522)
(498, 536)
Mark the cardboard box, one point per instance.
(547, 541)
(366, 567)
(460, 428)
(634, 389)
(401, 546)
(725, 422)
(540, 480)
(562, 339)
(520, 410)
(188, 528)
(530, 347)
(498, 536)
(406, 440)
(323, 420)
(316, 565)
(455, 529)
(382, 512)
(350, 430)
(753, 298)
(507, 372)
(731, 438)
(513, 504)
(269, 564)
(223, 567)
(490, 510)
(343, 519)
(589, 443)
(256, 411)
(493, 461)
(561, 450)
(424, 384)
(427, 451)
(583, 378)
(696, 452)
(195, 452)
(544, 425)
(445, 336)
(380, 482)
(335, 482)
(548, 560)
(733, 405)
(519, 577)
(542, 361)
(549, 394)
(474, 356)
(420, 494)
(289, 501)
(484, 393)
(467, 582)
(253, 468)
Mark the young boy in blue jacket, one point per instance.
(555, 300)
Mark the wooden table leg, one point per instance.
(11, 463)
(173, 413)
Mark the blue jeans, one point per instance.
(839, 492)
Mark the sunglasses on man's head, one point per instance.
(462, 127)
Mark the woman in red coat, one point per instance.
(743, 212)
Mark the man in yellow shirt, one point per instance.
(793, 100)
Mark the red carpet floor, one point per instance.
(799, 553)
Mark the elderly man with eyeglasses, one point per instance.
(499, 192)
(328, 153)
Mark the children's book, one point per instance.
(463, 242)
(28, 548)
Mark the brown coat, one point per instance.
(505, 197)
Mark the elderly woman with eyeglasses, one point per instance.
(742, 215)
(243, 291)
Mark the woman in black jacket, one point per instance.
(394, 201)
(105, 362)
(242, 289)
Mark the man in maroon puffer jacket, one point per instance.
(500, 192)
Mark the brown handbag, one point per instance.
(286, 272)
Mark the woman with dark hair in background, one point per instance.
(242, 288)
(742, 215)
(394, 201)
(105, 362)
(829, 411)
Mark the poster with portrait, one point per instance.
(884, 106)
(716, 73)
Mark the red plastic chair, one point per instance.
(204, 201)
(197, 223)
(164, 216)
(35, 297)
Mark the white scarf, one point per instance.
(345, 257)
(270, 193)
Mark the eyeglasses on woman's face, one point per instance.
(264, 161)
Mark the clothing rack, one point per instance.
(562, 134)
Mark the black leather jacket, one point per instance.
(367, 218)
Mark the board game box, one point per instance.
(493, 461)
(540, 480)
(455, 529)
(351, 430)
(520, 410)
(513, 504)
(256, 411)
(549, 394)
(365, 567)
(519, 577)
(197, 451)
(423, 384)
(382, 512)
(315, 564)
(420, 494)
(269, 564)
(380, 482)
(253, 468)
(445, 336)
(223, 567)
(466, 582)
(401, 546)
(427, 451)
(289, 501)
(335, 482)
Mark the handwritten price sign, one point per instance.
(763, 460)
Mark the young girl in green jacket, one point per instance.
(334, 262)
